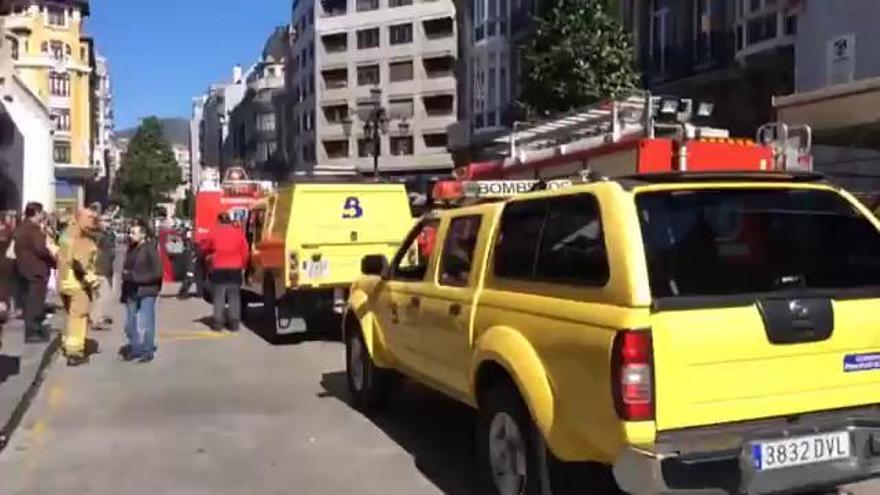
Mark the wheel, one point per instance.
(270, 307)
(370, 387)
(515, 459)
(246, 298)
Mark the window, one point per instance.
(439, 105)
(14, 50)
(661, 36)
(760, 29)
(502, 17)
(367, 38)
(401, 108)
(57, 49)
(479, 19)
(365, 5)
(62, 119)
(368, 75)
(558, 240)
(439, 28)
(703, 32)
(336, 148)
(44, 47)
(400, 71)
(791, 23)
(458, 251)
(57, 16)
(491, 113)
(438, 140)
(399, 3)
(439, 66)
(67, 50)
(335, 78)
(400, 34)
(365, 109)
(756, 241)
(365, 147)
(266, 122)
(83, 54)
(333, 8)
(401, 145)
(502, 86)
(336, 113)
(412, 261)
(61, 152)
(59, 84)
(334, 43)
(493, 13)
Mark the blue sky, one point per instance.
(164, 52)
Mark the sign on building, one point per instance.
(841, 56)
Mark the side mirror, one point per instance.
(374, 264)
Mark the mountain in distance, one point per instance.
(175, 129)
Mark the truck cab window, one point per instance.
(411, 262)
(458, 251)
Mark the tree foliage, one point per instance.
(149, 171)
(577, 54)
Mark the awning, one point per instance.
(833, 108)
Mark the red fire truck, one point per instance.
(234, 195)
(639, 134)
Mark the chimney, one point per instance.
(236, 74)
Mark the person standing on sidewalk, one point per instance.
(34, 259)
(141, 284)
(228, 249)
(78, 283)
(106, 241)
(7, 275)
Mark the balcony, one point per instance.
(333, 8)
(335, 78)
(439, 28)
(694, 57)
(439, 105)
(335, 43)
(437, 67)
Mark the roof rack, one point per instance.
(710, 176)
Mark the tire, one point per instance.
(369, 386)
(537, 472)
(270, 307)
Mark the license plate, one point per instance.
(318, 269)
(797, 451)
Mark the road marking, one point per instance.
(188, 335)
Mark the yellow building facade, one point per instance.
(54, 59)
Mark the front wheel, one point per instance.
(369, 386)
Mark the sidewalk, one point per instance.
(21, 371)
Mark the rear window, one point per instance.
(726, 242)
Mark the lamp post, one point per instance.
(374, 126)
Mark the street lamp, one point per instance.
(374, 125)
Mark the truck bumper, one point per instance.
(717, 461)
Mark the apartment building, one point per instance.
(489, 73)
(196, 137)
(53, 57)
(253, 121)
(216, 148)
(103, 136)
(735, 53)
(351, 60)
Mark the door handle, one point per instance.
(454, 309)
(415, 302)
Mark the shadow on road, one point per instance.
(436, 431)
(296, 330)
(9, 366)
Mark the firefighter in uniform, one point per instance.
(78, 283)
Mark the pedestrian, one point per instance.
(7, 275)
(141, 284)
(228, 249)
(34, 259)
(106, 242)
(78, 283)
(189, 261)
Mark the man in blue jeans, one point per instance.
(141, 284)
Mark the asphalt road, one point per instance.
(231, 414)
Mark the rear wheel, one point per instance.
(515, 459)
(370, 387)
(270, 307)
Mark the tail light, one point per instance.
(633, 375)
(293, 272)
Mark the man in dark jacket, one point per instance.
(34, 258)
(106, 242)
(141, 284)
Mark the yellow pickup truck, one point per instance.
(657, 334)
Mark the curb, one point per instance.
(18, 413)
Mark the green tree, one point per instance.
(149, 171)
(577, 54)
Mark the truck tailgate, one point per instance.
(719, 365)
